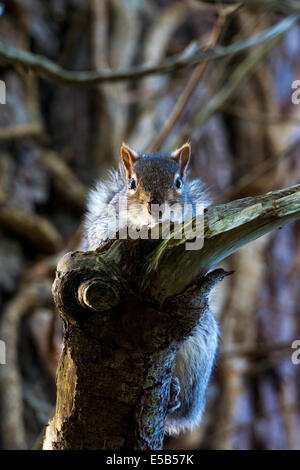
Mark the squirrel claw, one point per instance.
(174, 401)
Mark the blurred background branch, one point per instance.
(190, 56)
(287, 6)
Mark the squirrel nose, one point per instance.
(153, 201)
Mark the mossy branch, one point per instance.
(227, 228)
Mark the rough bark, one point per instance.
(127, 308)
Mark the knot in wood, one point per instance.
(98, 295)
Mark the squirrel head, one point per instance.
(154, 180)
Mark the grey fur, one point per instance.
(194, 364)
(195, 359)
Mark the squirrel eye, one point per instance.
(132, 184)
(178, 183)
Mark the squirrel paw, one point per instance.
(174, 401)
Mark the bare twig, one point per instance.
(286, 6)
(156, 41)
(188, 58)
(32, 227)
(260, 169)
(291, 408)
(260, 118)
(65, 181)
(190, 87)
(19, 131)
(258, 350)
(242, 71)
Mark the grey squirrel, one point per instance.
(145, 180)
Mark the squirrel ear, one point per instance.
(128, 157)
(182, 156)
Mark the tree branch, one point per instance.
(190, 86)
(285, 7)
(227, 228)
(190, 57)
(229, 89)
(34, 228)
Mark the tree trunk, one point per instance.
(127, 308)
